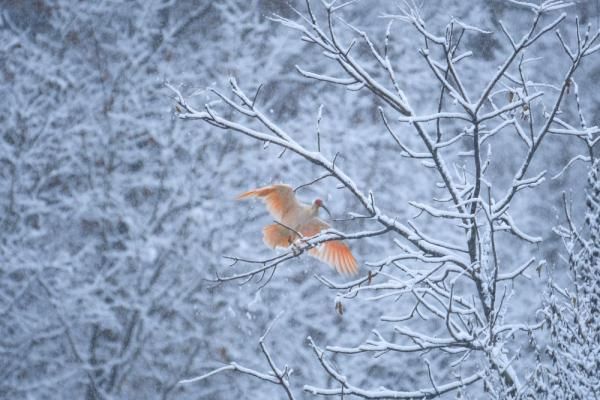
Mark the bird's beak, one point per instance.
(326, 209)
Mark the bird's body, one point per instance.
(296, 220)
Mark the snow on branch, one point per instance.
(347, 388)
(462, 285)
(276, 376)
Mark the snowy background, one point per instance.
(114, 212)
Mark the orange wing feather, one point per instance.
(279, 199)
(338, 255)
(275, 235)
(334, 252)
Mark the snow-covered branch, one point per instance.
(458, 279)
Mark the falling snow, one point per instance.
(118, 214)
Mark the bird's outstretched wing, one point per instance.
(277, 235)
(281, 203)
(279, 199)
(334, 252)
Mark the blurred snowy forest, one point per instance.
(115, 214)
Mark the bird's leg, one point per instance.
(298, 245)
(296, 249)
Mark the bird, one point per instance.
(294, 220)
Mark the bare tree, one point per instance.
(100, 291)
(572, 311)
(460, 284)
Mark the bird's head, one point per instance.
(318, 203)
